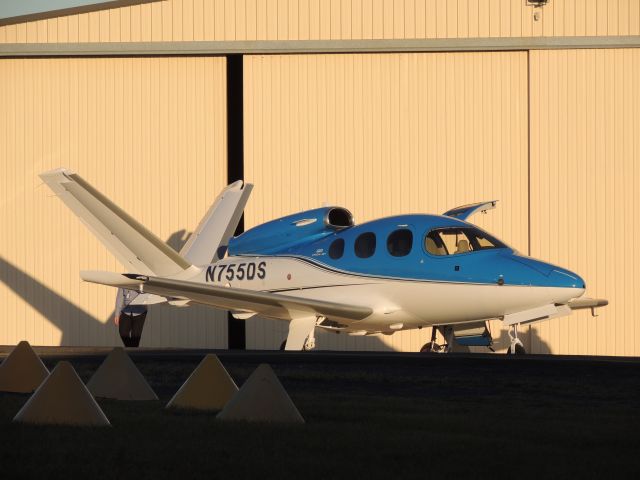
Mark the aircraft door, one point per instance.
(464, 254)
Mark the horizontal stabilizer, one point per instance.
(209, 241)
(131, 243)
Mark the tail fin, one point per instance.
(133, 245)
(209, 241)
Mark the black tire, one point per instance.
(519, 350)
(427, 348)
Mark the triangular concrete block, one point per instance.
(209, 387)
(62, 399)
(22, 371)
(262, 398)
(120, 379)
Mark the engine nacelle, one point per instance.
(277, 236)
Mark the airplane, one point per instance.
(318, 269)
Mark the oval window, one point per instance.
(336, 249)
(399, 243)
(365, 245)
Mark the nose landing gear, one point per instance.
(516, 347)
(432, 346)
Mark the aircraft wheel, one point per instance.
(430, 347)
(519, 350)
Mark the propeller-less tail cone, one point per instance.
(62, 399)
(22, 371)
(262, 398)
(120, 379)
(209, 387)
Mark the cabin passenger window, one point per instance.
(455, 241)
(365, 245)
(399, 243)
(336, 249)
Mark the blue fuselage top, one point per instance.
(409, 247)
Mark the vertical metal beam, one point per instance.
(235, 166)
(529, 330)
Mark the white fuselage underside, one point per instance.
(412, 303)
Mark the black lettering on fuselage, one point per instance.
(251, 271)
(261, 270)
(241, 271)
(211, 271)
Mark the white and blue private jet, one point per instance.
(318, 269)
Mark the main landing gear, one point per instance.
(309, 343)
(301, 336)
(516, 347)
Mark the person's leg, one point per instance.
(136, 329)
(124, 328)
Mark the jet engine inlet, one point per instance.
(338, 218)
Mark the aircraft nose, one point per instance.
(560, 277)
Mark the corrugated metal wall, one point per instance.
(383, 135)
(585, 188)
(185, 20)
(380, 134)
(150, 133)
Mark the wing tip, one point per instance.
(111, 278)
(583, 303)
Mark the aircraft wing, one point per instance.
(580, 303)
(272, 305)
(465, 211)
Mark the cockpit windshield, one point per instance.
(454, 241)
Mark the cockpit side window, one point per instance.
(455, 241)
(365, 245)
(482, 240)
(399, 242)
(434, 244)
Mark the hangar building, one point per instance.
(381, 106)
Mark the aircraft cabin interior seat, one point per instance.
(463, 246)
(434, 249)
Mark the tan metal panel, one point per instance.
(584, 189)
(148, 132)
(186, 20)
(383, 135)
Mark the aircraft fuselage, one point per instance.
(408, 287)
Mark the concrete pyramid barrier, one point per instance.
(262, 398)
(62, 399)
(22, 371)
(209, 387)
(120, 379)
